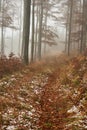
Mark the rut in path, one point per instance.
(53, 105)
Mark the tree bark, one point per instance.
(40, 31)
(26, 30)
(33, 28)
(70, 26)
(2, 30)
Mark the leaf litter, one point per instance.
(47, 96)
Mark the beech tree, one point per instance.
(26, 30)
(37, 30)
(5, 20)
(40, 29)
(33, 31)
(76, 26)
(84, 27)
(70, 25)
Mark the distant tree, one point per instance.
(40, 29)
(20, 26)
(2, 28)
(6, 19)
(70, 25)
(33, 31)
(36, 30)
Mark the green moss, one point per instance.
(48, 124)
(25, 117)
(75, 127)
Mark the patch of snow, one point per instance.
(12, 76)
(73, 109)
(33, 110)
(1, 83)
(13, 79)
(36, 91)
(50, 100)
(20, 98)
(30, 113)
(10, 127)
(32, 86)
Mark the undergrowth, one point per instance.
(10, 64)
(46, 95)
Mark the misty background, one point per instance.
(13, 37)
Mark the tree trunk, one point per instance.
(2, 29)
(82, 46)
(26, 30)
(32, 44)
(85, 23)
(36, 32)
(70, 26)
(45, 28)
(20, 30)
(40, 31)
(67, 25)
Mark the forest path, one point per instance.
(64, 97)
(20, 94)
(42, 96)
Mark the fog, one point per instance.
(12, 44)
(12, 36)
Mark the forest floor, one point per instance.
(47, 95)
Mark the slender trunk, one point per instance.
(2, 29)
(12, 40)
(20, 31)
(45, 27)
(36, 34)
(79, 26)
(32, 44)
(67, 24)
(82, 31)
(70, 26)
(26, 30)
(84, 25)
(40, 30)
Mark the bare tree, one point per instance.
(26, 30)
(70, 25)
(33, 29)
(40, 29)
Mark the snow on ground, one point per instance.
(20, 101)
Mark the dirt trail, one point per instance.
(40, 97)
(53, 112)
(63, 101)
